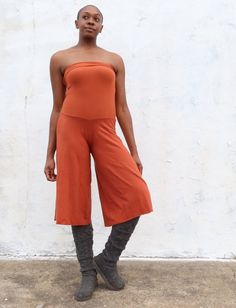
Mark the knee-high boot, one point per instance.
(106, 261)
(83, 238)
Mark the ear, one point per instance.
(101, 29)
(76, 24)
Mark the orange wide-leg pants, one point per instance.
(123, 192)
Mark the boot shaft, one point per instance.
(118, 239)
(83, 239)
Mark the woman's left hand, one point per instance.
(138, 162)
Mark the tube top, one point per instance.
(90, 90)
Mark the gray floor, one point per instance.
(50, 283)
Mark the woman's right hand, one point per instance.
(49, 170)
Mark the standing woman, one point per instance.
(88, 85)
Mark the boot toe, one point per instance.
(86, 289)
(109, 273)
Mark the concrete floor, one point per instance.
(161, 283)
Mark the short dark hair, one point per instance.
(78, 14)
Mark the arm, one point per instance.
(123, 114)
(58, 90)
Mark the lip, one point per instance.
(89, 29)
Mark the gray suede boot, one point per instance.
(106, 262)
(83, 238)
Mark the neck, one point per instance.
(87, 43)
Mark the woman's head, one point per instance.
(89, 20)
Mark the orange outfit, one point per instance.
(86, 125)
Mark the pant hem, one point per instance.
(110, 224)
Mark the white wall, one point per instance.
(180, 86)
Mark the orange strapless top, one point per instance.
(90, 90)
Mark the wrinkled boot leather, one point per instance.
(108, 271)
(83, 238)
(87, 286)
(106, 262)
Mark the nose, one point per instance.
(90, 21)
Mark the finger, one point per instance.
(46, 172)
(49, 174)
(53, 175)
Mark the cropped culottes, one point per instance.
(123, 192)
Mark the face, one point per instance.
(89, 22)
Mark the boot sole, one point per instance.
(82, 299)
(105, 279)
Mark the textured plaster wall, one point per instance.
(180, 87)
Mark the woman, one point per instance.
(88, 84)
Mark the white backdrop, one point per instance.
(180, 86)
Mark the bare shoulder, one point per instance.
(115, 59)
(118, 61)
(55, 60)
(59, 57)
